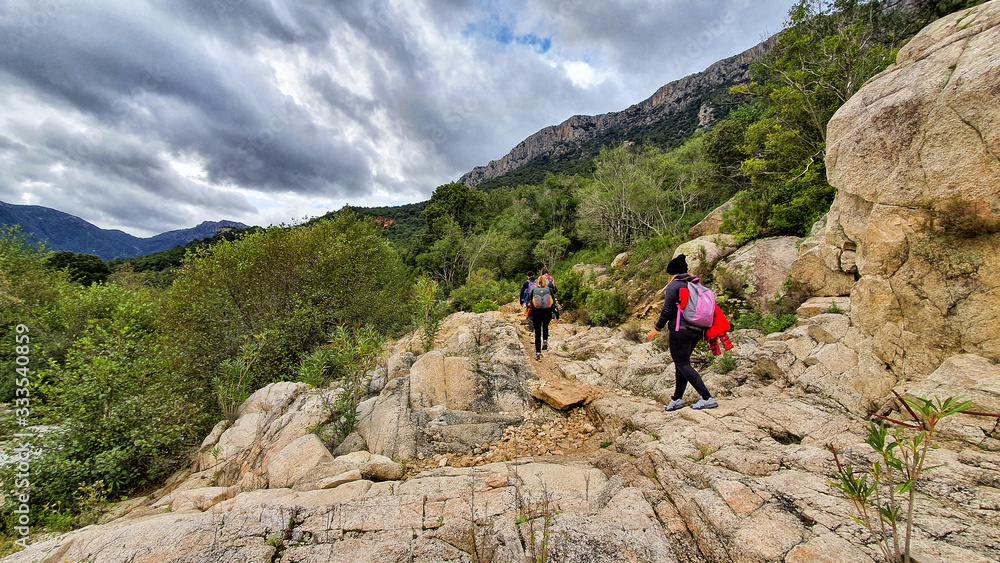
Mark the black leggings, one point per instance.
(682, 343)
(542, 318)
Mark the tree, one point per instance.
(636, 194)
(444, 259)
(290, 286)
(822, 57)
(464, 205)
(86, 269)
(551, 248)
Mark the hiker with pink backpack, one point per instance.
(689, 309)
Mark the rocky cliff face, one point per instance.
(917, 144)
(569, 137)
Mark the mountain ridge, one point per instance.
(571, 138)
(62, 231)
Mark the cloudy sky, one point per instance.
(152, 115)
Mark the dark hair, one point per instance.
(531, 274)
(545, 271)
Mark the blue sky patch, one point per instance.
(503, 34)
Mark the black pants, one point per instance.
(682, 343)
(542, 319)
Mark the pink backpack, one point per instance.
(700, 308)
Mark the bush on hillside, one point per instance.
(287, 288)
(606, 307)
(121, 418)
(86, 269)
(30, 294)
(483, 285)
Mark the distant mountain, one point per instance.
(62, 231)
(666, 119)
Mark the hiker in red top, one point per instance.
(683, 337)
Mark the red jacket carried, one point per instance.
(720, 324)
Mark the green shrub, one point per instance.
(962, 219)
(428, 311)
(606, 307)
(482, 286)
(30, 294)
(353, 354)
(650, 258)
(314, 369)
(290, 286)
(764, 323)
(725, 363)
(124, 418)
(733, 280)
(572, 290)
(233, 384)
(484, 305)
(86, 269)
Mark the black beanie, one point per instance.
(678, 265)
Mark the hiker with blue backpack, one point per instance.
(542, 304)
(526, 290)
(687, 313)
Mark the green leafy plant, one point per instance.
(606, 307)
(765, 323)
(481, 287)
(232, 384)
(725, 363)
(92, 501)
(429, 311)
(354, 354)
(733, 280)
(884, 496)
(314, 367)
(703, 452)
(484, 305)
(277, 542)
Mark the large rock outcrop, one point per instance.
(922, 134)
(452, 398)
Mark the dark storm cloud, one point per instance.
(160, 114)
(192, 92)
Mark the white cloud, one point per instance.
(582, 74)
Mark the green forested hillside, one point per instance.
(399, 223)
(134, 374)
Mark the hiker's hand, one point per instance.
(652, 334)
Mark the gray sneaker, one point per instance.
(709, 403)
(674, 405)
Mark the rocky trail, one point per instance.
(464, 460)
